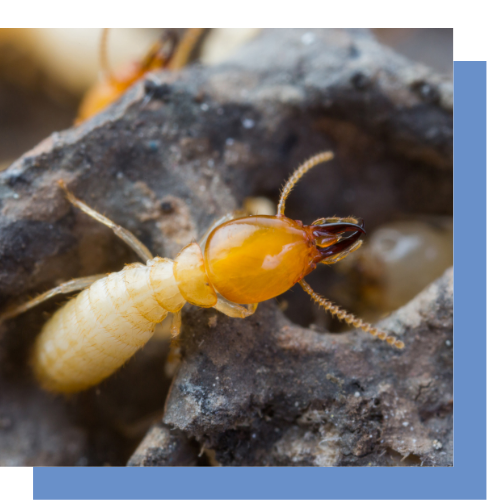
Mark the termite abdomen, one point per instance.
(99, 330)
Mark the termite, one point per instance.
(238, 263)
(165, 53)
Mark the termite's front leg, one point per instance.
(122, 233)
(234, 310)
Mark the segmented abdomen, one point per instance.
(97, 331)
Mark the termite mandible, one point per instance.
(238, 263)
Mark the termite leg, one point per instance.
(68, 287)
(122, 233)
(234, 310)
(185, 48)
(175, 329)
(350, 319)
(103, 56)
(174, 354)
(163, 329)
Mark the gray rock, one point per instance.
(266, 392)
(161, 447)
(35, 429)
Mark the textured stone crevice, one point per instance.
(282, 395)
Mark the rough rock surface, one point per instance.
(162, 447)
(36, 429)
(266, 392)
(177, 151)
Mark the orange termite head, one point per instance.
(252, 259)
(335, 237)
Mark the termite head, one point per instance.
(335, 238)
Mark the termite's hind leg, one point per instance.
(163, 329)
(174, 354)
(68, 287)
(122, 233)
(175, 329)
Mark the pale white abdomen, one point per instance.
(96, 332)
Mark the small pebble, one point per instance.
(308, 38)
(166, 207)
(248, 123)
(437, 445)
(153, 146)
(360, 81)
(428, 92)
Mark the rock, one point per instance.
(179, 150)
(36, 429)
(266, 392)
(161, 447)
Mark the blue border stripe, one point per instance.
(467, 479)
(470, 273)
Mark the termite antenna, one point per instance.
(103, 56)
(350, 319)
(296, 176)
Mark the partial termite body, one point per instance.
(166, 53)
(237, 264)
